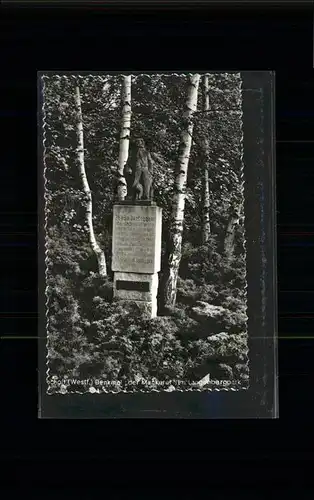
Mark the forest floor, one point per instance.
(107, 341)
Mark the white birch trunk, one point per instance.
(206, 205)
(206, 194)
(233, 221)
(178, 203)
(124, 136)
(206, 93)
(102, 267)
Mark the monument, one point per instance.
(136, 245)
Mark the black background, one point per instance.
(261, 38)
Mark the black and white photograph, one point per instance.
(145, 232)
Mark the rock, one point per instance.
(217, 318)
(202, 311)
(209, 316)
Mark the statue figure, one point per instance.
(139, 176)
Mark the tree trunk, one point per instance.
(174, 246)
(206, 93)
(233, 221)
(206, 196)
(102, 267)
(124, 136)
(206, 206)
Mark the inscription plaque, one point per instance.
(139, 286)
(136, 238)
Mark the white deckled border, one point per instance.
(46, 259)
(220, 389)
(50, 388)
(242, 187)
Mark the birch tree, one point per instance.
(102, 267)
(230, 235)
(124, 136)
(206, 195)
(236, 213)
(174, 248)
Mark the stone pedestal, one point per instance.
(136, 254)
